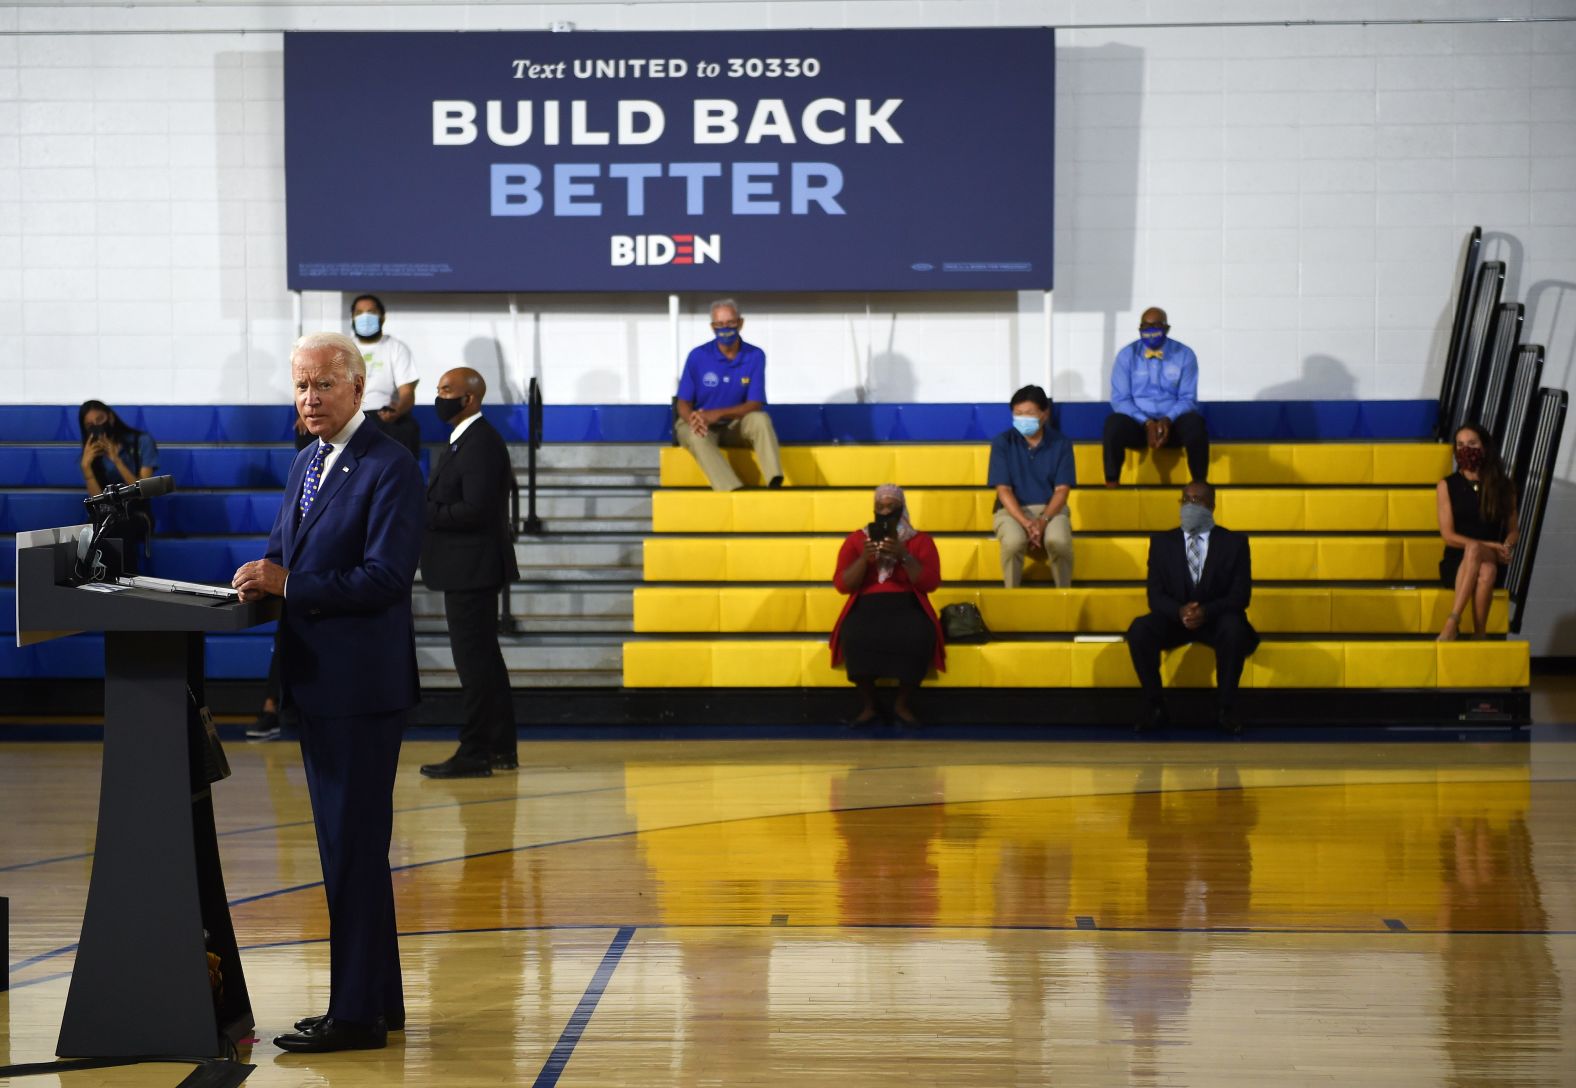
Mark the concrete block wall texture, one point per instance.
(1295, 195)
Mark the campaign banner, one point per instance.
(834, 160)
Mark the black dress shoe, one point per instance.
(504, 763)
(307, 1023)
(329, 1035)
(775, 481)
(1152, 718)
(458, 767)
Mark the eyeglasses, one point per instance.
(725, 324)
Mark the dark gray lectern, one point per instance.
(156, 904)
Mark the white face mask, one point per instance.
(367, 323)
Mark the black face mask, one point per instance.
(448, 407)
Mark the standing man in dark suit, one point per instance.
(1200, 581)
(469, 554)
(343, 556)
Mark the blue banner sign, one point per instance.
(848, 160)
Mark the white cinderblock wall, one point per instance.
(1295, 195)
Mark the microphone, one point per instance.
(154, 486)
(151, 488)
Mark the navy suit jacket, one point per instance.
(348, 642)
(1225, 585)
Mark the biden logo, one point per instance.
(653, 249)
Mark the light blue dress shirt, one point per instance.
(1163, 388)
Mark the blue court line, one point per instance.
(554, 1068)
(609, 836)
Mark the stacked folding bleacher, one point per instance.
(738, 587)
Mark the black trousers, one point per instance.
(404, 430)
(484, 678)
(350, 766)
(1123, 432)
(1232, 638)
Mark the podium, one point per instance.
(156, 904)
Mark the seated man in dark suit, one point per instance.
(469, 555)
(1200, 580)
(343, 556)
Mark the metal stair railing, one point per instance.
(1480, 334)
(1458, 328)
(1534, 504)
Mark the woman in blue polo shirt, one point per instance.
(888, 628)
(114, 453)
(1033, 473)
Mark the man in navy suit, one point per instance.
(1200, 581)
(343, 556)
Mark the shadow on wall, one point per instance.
(1324, 377)
(485, 356)
(1097, 143)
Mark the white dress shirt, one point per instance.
(339, 441)
(454, 435)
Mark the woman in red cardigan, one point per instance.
(887, 628)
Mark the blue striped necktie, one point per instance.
(314, 478)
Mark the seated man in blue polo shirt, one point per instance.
(1032, 470)
(1154, 399)
(722, 402)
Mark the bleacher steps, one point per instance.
(561, 557)
(534, 661)
(547, 608)
(583, 510)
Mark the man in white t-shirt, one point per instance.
(391, 374)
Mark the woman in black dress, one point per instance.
(887, 628)
(1477, 518)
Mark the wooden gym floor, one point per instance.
(1189, 912)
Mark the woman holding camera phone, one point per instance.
(887, 628)
(113, 453)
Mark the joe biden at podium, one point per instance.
(343, 555)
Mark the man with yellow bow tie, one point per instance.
(1154, 399)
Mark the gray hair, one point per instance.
(346, 355)
(729, 303)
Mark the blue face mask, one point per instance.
(367, 323)
(1152, 335)
(1028, 426)
(1196, 518)
(726, 336)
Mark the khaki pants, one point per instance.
(1015, 544)
(753, 431)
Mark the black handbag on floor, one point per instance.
(962, 622)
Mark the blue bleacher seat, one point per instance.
(796, 423)
(81, 657)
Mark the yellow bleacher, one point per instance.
(1309, 610)
(789, 663)
(755, 608)
(1330, 510)
(1095, 559)
(964, 465)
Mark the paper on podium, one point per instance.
(170, 585)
